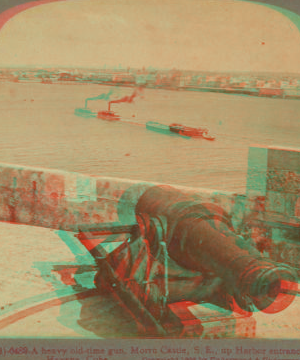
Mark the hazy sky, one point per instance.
(223, 35)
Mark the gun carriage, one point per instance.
(181, 270)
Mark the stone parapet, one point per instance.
(60, 200)
(274, 180)
(267, 215)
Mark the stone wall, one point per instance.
(274, 181)
(268, 214)
(61, 200)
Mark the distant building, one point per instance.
(271, 92)
(271, 84)
(124, 79)
(260, 83)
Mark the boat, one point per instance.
(191, 131)
(108, 115)
(181, 130)
(161, 128)
(207, 136)
(85, 112)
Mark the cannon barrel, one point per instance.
(200, 237)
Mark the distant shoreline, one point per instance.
(279, 85)
(275, 93)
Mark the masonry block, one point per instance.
(284, 159)
(257, 170)
(275, 202)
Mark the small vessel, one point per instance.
(206, 136)
(190, 131)
(108, 115)
(161, 128)
(181, 130)
(85, 112)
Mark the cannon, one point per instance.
(181, 252)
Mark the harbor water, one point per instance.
(39, 128)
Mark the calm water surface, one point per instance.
(38, 128)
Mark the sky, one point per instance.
(204, 35)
